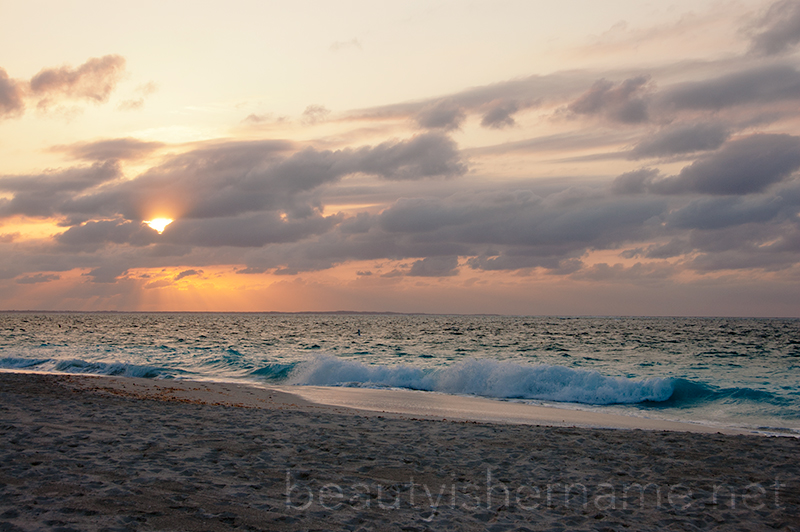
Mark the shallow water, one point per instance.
(717, 371)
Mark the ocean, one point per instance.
(721, 372)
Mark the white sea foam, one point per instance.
(81, 366)
(488, 378)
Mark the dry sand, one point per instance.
(88, 453)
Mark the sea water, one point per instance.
(721, 372)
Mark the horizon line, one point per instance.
(390, 313)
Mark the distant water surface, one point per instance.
(715, 371)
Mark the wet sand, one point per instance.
(89, 453)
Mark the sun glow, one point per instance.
(159, 223)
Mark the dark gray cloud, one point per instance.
(107, 273)
(426, 155)
(758, 85)
(252, 230)
(239, 194)
(624, 102)
(46, 194)
(525, 230)
(241, 177)
(498, 230)
(38, 278)
(732, 232)
(681, 139)
(727, 211)
(94, 80)
(769, 247)
(742, 166)
(262, 204)
(188, 273)
(435, 266)
(125, 148)
(11, 96)
(444, 114)
(635, 182)
(499, 116)
(521, 259)
(778, 30)
(674, 248)
(91, 236)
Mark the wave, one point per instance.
(488, 378)
(688, 393)
(481, 377)
(81, 366)
(508, 380)
(276, 372)
(21, 363)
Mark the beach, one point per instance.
(94, 453)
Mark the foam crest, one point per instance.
(21, 363)
(103, 368)
(488, 378)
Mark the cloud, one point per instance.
(94, 80)
(435, 266)
(47, 194)
(103, 150)
(338, 46)
(37, 278)
(778, 30)
(758, 85)
(93, 235)
(257, 119)
(425, 155)
(681, 139)
(237, 194)
(625, 102)
(146, 89)
(727, 211)
(188, 273)
(742, 166)
(11, 96)
(498, 230)
(443, 114)
(315, 114)
(131, 105)
(107, 273)
(143, 91)
(494, 101)
(252, 230)
(635, 182)
(499, 115)
(511, 230)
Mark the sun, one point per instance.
(159, 223)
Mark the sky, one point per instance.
(505, 157)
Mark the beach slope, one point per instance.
(78, 454)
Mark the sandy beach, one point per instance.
(90, 453)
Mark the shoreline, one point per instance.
(82, 454)
(403, 404)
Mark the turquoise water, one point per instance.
(716, 371)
